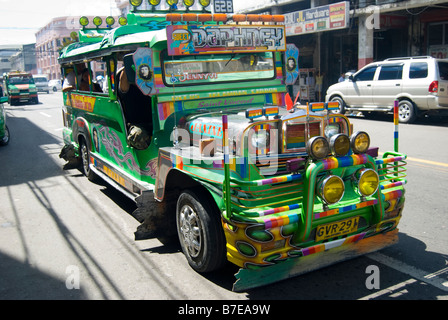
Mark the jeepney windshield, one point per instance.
(21, 80)
(201, 69)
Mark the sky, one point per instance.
(21, 19)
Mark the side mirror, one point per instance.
(129, 67)
(351, 78)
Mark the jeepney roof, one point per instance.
(114, 40)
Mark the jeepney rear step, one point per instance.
(324, 255)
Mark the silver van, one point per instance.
(420, 84)
(41, 83)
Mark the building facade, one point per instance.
(375, 30)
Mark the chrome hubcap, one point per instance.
(404, 111)
(190, 230)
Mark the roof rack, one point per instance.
(409, 58)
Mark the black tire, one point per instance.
(406, 111)
(5, 140)
(85, 161)
(341, 102)
(200, 233)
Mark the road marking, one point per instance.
(434, 163)
(45, 114)
(389, 290)
(431, 278)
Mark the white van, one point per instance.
(420, 84)
(41, 82)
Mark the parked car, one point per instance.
(4, 131)
(420, 84)
(41, 83)
(55, 85)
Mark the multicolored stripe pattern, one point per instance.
(392, 195)
(345, 209)
(177, 162)
(393, 185)
(396, 125)
(281, 221)
(281, 179)
(225, 139)
(332, 244)
(353, 160)
(279, 209)
(168, 108)
(158, 77)
(389, 160)
(276, 99)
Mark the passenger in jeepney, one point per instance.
(85, 82)
(137, 111)
(69, 81)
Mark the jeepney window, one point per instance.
(21, 80)
(202, 69)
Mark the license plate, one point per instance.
(337, 229)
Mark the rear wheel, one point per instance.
(200, 232)
(85, 157)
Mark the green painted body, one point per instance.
(269, 215)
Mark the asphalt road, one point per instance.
(63, 237)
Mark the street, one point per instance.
(63, 237)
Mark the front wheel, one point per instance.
(5, 140)
(341, 102)
(406, 111)
(200, 233)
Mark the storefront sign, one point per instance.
(439, 52)
(326, 18)
(206, 39)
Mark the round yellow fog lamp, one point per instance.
(135, 3)
(204, 3)
(318, 148)
(110, 21)
(97, 21)
(360, 142)
(188, 3)
(368, 182)
(154, 2)
(340, 145)
(84, 21)
(331, 189)
(122, 21)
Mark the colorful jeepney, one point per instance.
(19, 87)
(232, 167)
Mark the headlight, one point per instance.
(340, 145)
(331, 189)
(360, 142)
(368, 181)
(318, 148)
